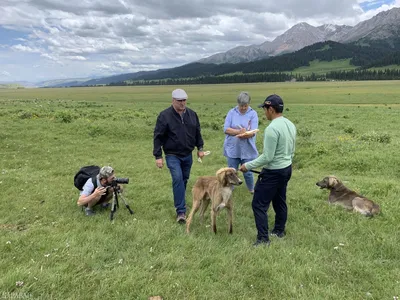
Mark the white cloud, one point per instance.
(23, 48)
(104, 37)
(76, 57)
(5, 73)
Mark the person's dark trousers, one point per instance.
(271, 186)
(179, 168)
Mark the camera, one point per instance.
(116, 181)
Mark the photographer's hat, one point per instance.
(272, 100)
(106, 172)
(179, 94)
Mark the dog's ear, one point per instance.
(332, 181)
(221, 176)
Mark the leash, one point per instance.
(205, 154)
(254, 171)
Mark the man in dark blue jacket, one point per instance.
(177, 132)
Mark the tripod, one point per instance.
(115, 203)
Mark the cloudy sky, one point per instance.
(55, 39)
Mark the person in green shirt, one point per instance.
(276, 162)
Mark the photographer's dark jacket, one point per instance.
(176, 134)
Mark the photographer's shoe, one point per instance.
(181, 218)
(89, 212)
(105, 205)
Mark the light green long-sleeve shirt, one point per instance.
(279, 146)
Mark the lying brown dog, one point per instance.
(218, 189)
(347, 198)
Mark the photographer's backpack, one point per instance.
(84, 174)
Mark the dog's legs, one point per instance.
(214, 220)
(230, 217)
(221, 206)
(361, 211)
(203, 208)
(358, 206)
(195, 207)
(226, 197)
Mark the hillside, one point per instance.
(357, 56)
(322, 67)
(383, 26)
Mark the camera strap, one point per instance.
(94, 181)
(103, 198)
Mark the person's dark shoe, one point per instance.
(89, 212)
(105, 205)
(262, 243)
(181, 218)
(278, 233)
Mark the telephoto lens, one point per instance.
(122, 180)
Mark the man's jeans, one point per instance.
(179, 168)
(271, 186)
(248, 176)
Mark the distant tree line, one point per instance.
(234, 78)
(359, 74)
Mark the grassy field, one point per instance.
(322, 67)
(10, 86)
(50, 250)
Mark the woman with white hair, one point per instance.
(240, 148)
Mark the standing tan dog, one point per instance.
(347, 198)
(218, 189)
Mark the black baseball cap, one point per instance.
(272, 100)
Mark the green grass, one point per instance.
(322, 67)
(324, 48)
(348, 129)
(11, 86)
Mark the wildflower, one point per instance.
(19, 283)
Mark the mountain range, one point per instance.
(382, 26)
(381, 32)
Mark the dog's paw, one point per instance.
(219, 207)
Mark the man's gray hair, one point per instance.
(243, 98)
(106, 172)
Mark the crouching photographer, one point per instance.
(99, 189)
